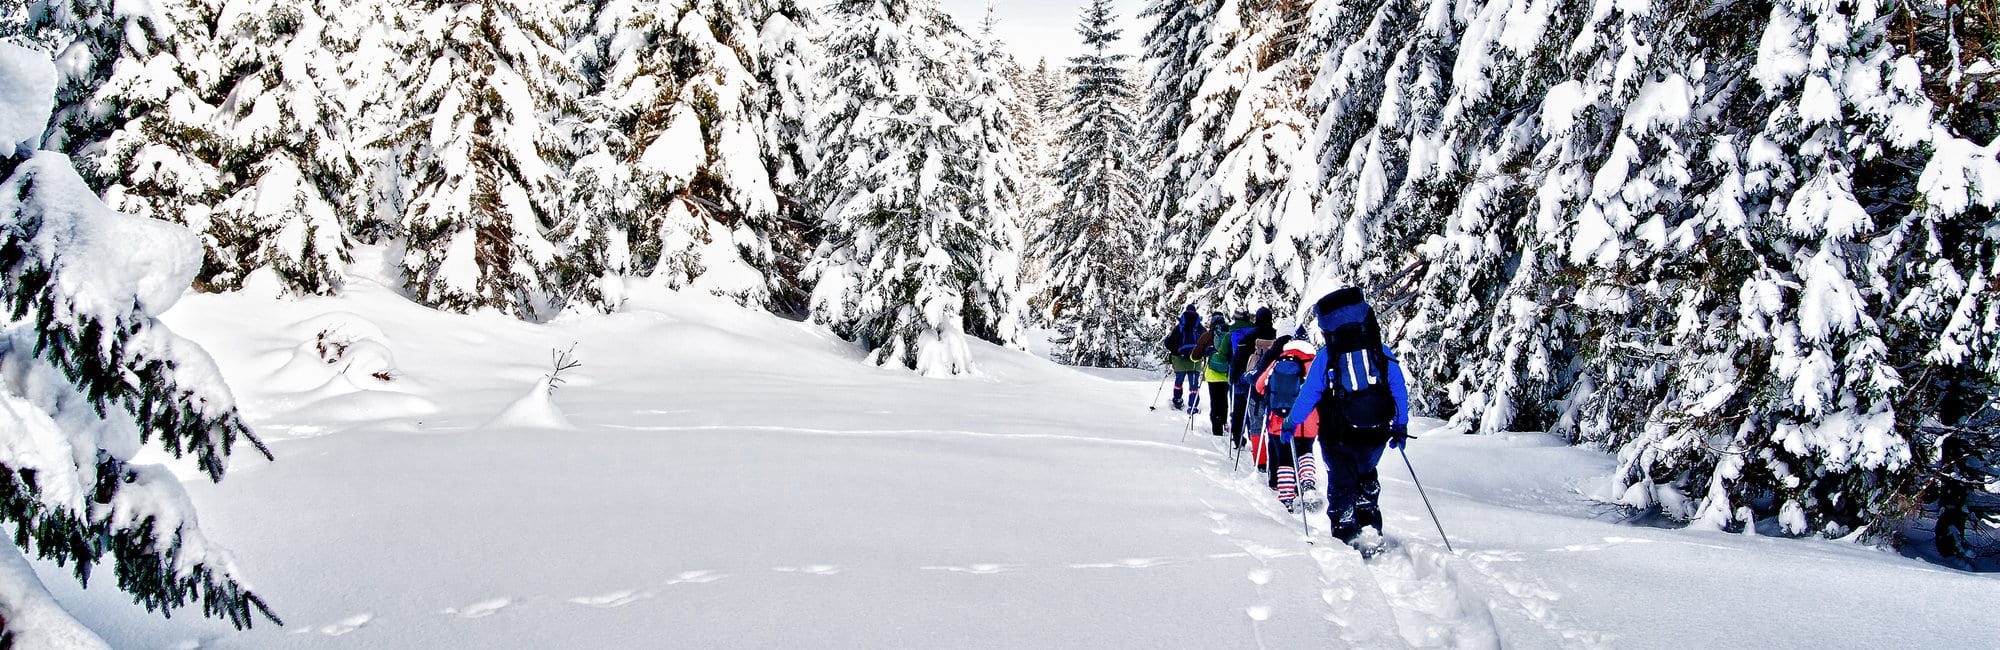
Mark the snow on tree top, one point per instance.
(27, 95)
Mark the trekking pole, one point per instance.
(1427, 500)
(1161, 389)
(1188, 428)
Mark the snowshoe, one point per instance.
(1178, 405)
(1310, 497)
(1370, 543)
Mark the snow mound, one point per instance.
(535, 410)
(34, 618)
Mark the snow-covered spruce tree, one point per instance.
(1479, 311)
(678, 86)
(1965, 434)
(895, 190)
(1385, 68)
(88, 376)
(994, 311)
(286, 174)
(136, 109)
(481, 157)
(1094, 240)
(1249, 257)
(786, 55)
(91, 39)
(1743, 257)
(1176, 58)
(785, 59)
(1037, 125)
(372, 109)
(1859, 219)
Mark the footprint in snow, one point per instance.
(480, 609)
(346, 625)
(1497, 556)
(1579, 548)
(1258, 613)
(1127, 563)
(1262, 552)
(975, 569)
(619, 598)
(695, 577)
(816, 569)
(1260, 577)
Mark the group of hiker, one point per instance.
(1343, 398)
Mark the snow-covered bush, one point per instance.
(87, 377)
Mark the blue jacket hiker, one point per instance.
(1356, 387)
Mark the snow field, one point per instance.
(730, 479)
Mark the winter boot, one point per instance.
(1309, 494)
(1369, 542)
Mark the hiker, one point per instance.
(1248, 338)
(1261, 405)
(1292, 475)
(1180, 345)
(1213, 351)
(1355, 386)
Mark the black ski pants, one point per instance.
(1237, 410)
(1281, 456)
(1353, 489)
(1218, 405)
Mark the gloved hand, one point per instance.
(1285, 434)
(1399, 435)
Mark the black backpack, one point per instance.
(1357, 400)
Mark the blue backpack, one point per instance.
(1282, 389)
(1357, 371)
(1187, 335)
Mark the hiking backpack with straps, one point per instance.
(1283, 385)
(1220, 340)
(1187, 335)
(1357, 370)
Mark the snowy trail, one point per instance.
(728, 479)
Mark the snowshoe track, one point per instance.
(1408, 596)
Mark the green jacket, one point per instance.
(1212, 344)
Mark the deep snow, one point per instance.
(716, 477)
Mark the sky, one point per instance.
(1046, 28)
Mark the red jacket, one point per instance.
(1276, 424)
